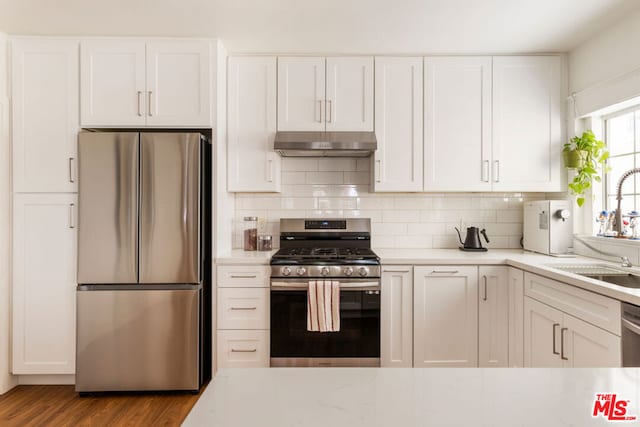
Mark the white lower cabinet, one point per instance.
(493, 316)
(44, 283)
(243, 349)
(516, 317)
(396, 317)
(445, 301)
(242, 317)
(556, 339)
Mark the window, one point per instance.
(622, 136)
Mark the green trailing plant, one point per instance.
(593, 155)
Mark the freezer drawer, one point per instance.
(137, 338)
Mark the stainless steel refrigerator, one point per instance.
(144, 251)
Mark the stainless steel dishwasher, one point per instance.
(630, 335)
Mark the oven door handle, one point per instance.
(348, 286)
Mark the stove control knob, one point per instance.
(324, 271)
(362, 271)
(348, 271)
(301, 271)
(286, 271)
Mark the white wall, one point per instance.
(6, 379)
(339, 187)
(605, 69)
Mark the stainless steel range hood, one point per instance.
(325, 144)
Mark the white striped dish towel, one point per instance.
(323, 306)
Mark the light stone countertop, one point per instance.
(528, 261)
(381, 397)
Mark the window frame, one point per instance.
(606, 176)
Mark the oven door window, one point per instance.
(359, 334)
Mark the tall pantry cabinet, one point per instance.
(45, 122)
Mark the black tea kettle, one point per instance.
(472, 241)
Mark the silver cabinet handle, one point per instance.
(244, 308)
(139, 102)
(485, 171)
(243, 276)
(485, 288)
(444, 271)
(71, 174)
(269, 170)
(330, 112)
(71, 217)
(496, 171)
(555, 325)
(562, 343)
(388, 270)
(150, 93)
(320, 110)
(378, 170)
(253, 350)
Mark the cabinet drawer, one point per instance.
(596, 309)
(243, 349)
(244, 276)
(243, 308)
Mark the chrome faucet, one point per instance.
(624, 176)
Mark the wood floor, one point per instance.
(56, 405)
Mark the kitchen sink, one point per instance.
(605, 273)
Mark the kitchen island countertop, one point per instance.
(368, 397)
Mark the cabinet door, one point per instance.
(398, 159)
(516, 317)
(178, 83)
(526, 123)
(493, 316)
(112, 83)
(587, 346)
(301, 91)
(349, 97)
(253, 165)
(445, 323)
(396, 317)
(457, 124)
(45, 85)
(542, 326)
(44, 283)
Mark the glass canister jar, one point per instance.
(250, 233)
(264, 242)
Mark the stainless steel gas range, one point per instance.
(327, 249)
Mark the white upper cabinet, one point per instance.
(253, 165)
(163, 83)
(349, 97)
(318, 94)
(112, 83)
(457, 123)
(301, 94)
(44, 283)
(178, 83)
(398, 124)
(44, 88)
(527, 128)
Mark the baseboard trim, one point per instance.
(46, 379)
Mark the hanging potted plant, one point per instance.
(586, 154)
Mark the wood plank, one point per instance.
(60, 405)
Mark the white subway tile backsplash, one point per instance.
(323, 188)
(299, 164)
(361, 178)
(400, 216)
(325, 178)
(293, 177)
(337, 165)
